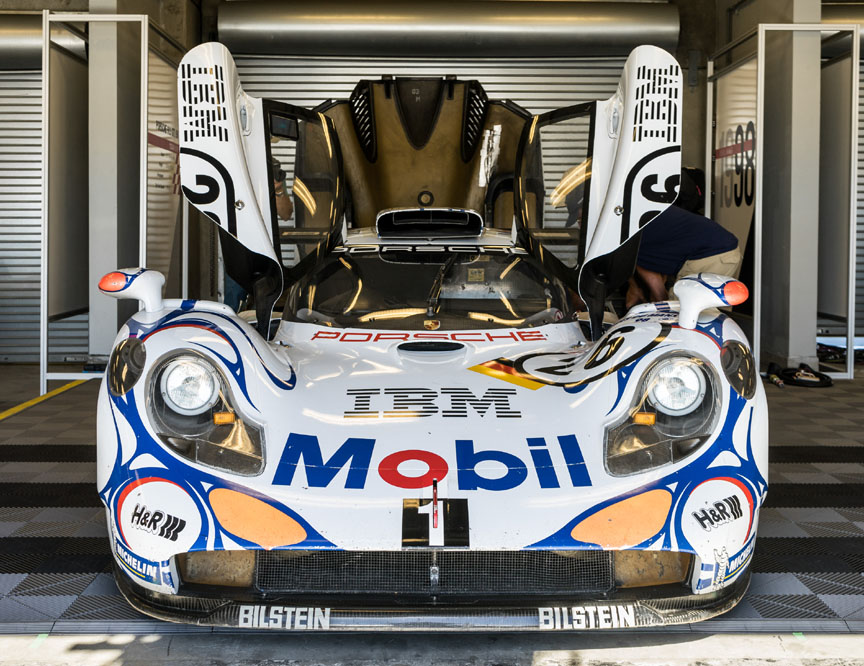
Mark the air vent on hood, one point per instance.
(363, 117)
(473, 119)
(431, 346)
(429, 223)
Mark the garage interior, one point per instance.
(56, 331)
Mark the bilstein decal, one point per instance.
(600, 616)
(283, 617)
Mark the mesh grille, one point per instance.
(439, 573)
(364, 123)
(476, 103)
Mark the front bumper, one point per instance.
(625, 609)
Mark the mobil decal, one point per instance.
(351, 464)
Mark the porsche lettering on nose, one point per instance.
(356, 456)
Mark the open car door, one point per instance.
(589, 177)
(228, 170)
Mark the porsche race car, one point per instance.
(445, 428)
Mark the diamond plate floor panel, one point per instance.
(808, 569)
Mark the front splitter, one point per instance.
(630, 613)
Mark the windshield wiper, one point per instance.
(435, 291)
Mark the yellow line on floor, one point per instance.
(42, 398)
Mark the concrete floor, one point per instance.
(19, 382)
(652, 649)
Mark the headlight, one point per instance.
(676, 386)
(194, 414)
(673, 414)
(188, 386)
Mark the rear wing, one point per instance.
(629, 173)
(227, 170)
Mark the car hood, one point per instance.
(508, 420)
(502, 436)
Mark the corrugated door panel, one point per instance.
(536, 84)
(859, 218)
(21, 224)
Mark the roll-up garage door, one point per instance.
(859, 218)
(21, 227)
(537, 84)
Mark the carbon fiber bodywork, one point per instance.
(626, 609)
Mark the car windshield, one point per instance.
(416, 289)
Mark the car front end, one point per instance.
(486, 477)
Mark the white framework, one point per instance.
(144, 22)
(759, 33)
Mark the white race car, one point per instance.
(444, 429)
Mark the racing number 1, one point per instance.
(420, 527)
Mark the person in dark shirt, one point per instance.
(678, 243)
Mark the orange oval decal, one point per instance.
(735, 292)
(112, 281)
(626, 523)
(256, 521)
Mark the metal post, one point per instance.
(142, 173)
(756, 343)
(709, 142)
(43, 272)
(184, 273)
(853, 171)
(47, 20)
(853, 196)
